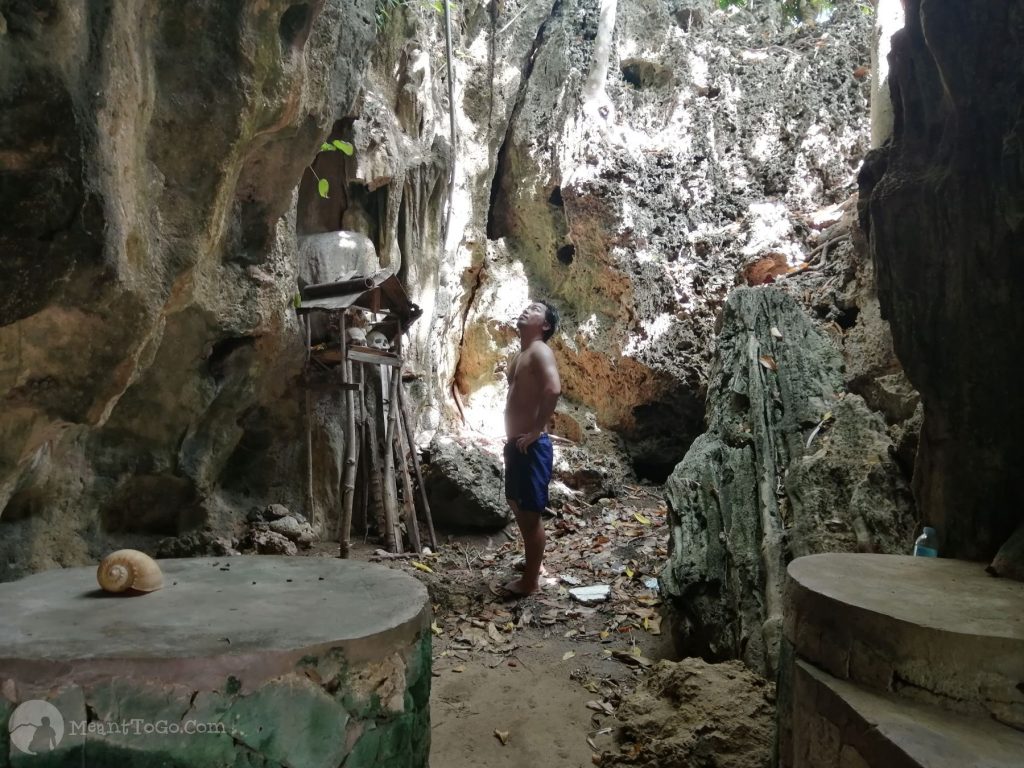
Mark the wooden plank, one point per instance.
(365, 355)
(356, 285)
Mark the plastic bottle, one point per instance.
(927, 544)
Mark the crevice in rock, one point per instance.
(294, 26)
(315, 214)
(367, 213)
(663, 431)
(497, 227)
(459, 385)
(402, 232)
(645, 74)
(221, 351)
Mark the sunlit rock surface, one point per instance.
(633, 205)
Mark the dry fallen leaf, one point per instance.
(641, 519)
(568, 655)
(502, 736)
(601, 706)
(768, 362)
(493, 633)
(422, 567)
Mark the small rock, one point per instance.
(271, 543)
(595, 593)
(274, 511)
(287, 526)
(195, 544)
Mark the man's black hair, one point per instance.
(550, 317)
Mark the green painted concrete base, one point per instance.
(263, 663)
(325, 714)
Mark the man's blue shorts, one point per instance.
(527, 474)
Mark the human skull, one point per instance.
(356, 336)
(377, 340)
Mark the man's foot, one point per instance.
(519, 588)
(520, 565)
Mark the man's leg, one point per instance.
(531, 526)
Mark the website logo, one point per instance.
(36, 727)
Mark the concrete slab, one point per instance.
(938, 630)
(208, 606)
(840, 723)
(282, 661)
(936, 593)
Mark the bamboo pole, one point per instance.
(373, 465)
(394, 531)
(412, 527)
(409, 505)
(309, 426)
(348, 480)
(364, 486)
(416, 468)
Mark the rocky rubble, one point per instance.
(276, 531)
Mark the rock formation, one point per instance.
(790, 465)
(945, 214)
(625, 159)
(629, 183)
(146, 333)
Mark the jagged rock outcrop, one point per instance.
(790, 465)
(945, 210)
(147, 266)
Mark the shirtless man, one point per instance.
(534, 387)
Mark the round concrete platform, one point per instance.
(940, 594)
(208, 606)
(932, 629)
(298, 661)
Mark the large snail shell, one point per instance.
(129, 569)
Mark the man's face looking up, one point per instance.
(535, 315)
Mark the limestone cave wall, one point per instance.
(631, 161)
(148, 157)
(626, 160)
(944, 205)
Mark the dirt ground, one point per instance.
(549, 681)
(535, 682)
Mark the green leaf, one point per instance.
(326, 147)
(344, 146)
(323, 186)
